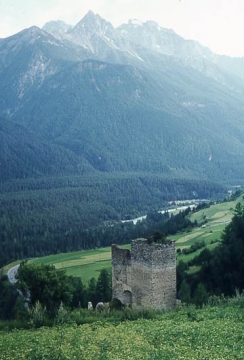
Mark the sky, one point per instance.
(217, 24)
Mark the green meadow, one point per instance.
(212, 222)
(85, 264)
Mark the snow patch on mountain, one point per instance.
(36, 73)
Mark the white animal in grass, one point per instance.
(90, 306)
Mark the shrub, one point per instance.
(37, 315)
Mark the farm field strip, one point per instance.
(83, 261)
(85, 264)
(184, 238)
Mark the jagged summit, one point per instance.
(98, 36)
(153, 25)
(92, 24)
(90, 16)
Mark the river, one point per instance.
(174, 210)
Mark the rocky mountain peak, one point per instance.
(92, 24)
(150, 36)
(32, 32)
(22, 39)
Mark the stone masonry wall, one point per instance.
(121, 274)
(164, 276)
(146, 276)
(153, 274)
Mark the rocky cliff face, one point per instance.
(144, 42)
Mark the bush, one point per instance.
(196, 246)
(37, 315)
(63, 315)
(238, 299)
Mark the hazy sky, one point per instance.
(218, 24)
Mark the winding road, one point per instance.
(12, 272)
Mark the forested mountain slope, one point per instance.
(152, 107)
(24, 154)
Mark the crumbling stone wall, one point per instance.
(148, 273)
(121, 274)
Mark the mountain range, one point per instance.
(134, 99)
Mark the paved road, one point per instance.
(12, 272)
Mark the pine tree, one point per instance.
(185, 292)
(200, 296)
(103, 288)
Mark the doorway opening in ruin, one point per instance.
(127, 298)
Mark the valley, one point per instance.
(99, 124)
(105, 130)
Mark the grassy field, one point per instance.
(85, 264)
(217, 214)
(212, 221)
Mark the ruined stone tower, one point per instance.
(146, 275)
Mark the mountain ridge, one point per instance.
(105, 93)
(165, 42)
